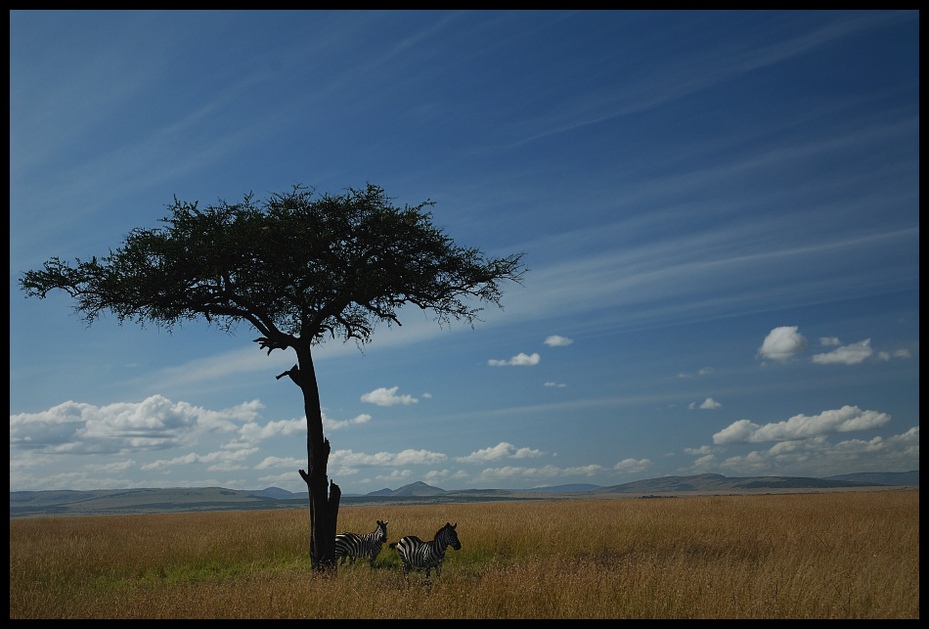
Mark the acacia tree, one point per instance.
(299, 269)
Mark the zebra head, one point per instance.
(382, 530)
(449, 536)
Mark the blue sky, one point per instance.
(719, 211)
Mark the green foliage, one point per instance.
(295, 266)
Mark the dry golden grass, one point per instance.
(834, 555)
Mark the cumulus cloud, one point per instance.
(536, 474)
(520, 360)
(631, 466)
(336, 424)
(846, 355)
(845, 419)
(387, 459)
(221, 460)
(707, 405)
(502, 450)
(558, 341)
(273, 462)
(710, 404)
(387, 397)
(253, 431)
(783, 343)
(818, 457)
(152, 424)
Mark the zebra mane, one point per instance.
(448, 525)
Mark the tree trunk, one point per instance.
(323, 503)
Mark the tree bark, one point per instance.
(323, 503)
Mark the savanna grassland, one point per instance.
(828, 555)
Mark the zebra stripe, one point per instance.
(353, 545)
(415, 553)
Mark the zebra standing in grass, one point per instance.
(415, 553)
(352, 545)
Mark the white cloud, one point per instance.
(818, 457)
(387, 459)
(702, 450)
(335, 424)
(154, 423)
(707, 404)
(252, 431)
(847, 355)
(557, 385)
(500, 451)
(117, 466)
(221, 460)
(508, 473)
(282, 462)
(632, 465)
(783, 343)
(520, 360)
(899, 353)
(537, 474)
(829, 341)
(558, 341)
(387, 397)
(845, 419)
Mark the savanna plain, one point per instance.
(824, 555)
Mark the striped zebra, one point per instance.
(353, 545)
(415, 553)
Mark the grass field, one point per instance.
(828, 555)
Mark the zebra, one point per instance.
(352, 545)
(415, 553)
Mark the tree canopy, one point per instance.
(297, 265)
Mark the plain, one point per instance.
(812, 555)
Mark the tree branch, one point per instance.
(293, 372)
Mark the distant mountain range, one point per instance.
(192, 499)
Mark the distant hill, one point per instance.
(382, 492)
(128, 501)
(276, 493)
(718, 482)
(193, 499)
(418, 489)
(884, 478)
(564, 489)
